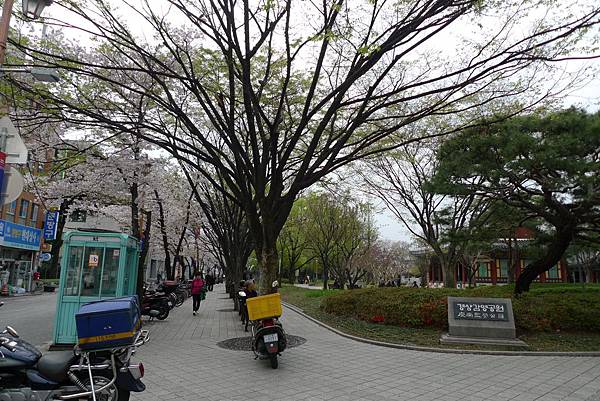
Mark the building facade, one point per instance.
(21, 222)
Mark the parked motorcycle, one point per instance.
(27, 375)
(268, 336)
(155, 305)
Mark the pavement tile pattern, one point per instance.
(183, 362)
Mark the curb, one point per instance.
(440, 350)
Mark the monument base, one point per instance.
(448, 339)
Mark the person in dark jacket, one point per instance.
(197, 286)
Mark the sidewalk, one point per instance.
(183, 362)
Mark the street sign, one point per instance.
(15, 149)
(12, 187)
(45, 257)
(50, 225)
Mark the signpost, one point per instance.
(481, 321)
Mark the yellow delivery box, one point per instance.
(264, 306)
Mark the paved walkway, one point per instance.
(183, 362)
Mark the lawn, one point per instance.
(549, 318)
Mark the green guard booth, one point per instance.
(95, 265)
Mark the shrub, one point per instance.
(544, 308)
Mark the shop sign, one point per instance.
(50, 225)
(18, 236)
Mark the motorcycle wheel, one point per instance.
(113, 393)
(274, 362)
(180, 300)
(164, 314)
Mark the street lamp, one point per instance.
(33, 8)
(38, 73)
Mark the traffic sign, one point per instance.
(45, 257)
(15, 149)
(12, 187)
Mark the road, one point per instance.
(31, 316)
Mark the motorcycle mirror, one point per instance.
(12, 331)
(242, 294)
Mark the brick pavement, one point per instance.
(183, 362)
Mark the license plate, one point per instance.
(270, 338)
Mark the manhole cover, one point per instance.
(226, 310)
(245, 343)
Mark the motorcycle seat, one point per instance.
(55, 365)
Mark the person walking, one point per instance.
(197, 286)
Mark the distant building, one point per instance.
(493, 266)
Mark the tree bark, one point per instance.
(165, 238)
(144, 253)
(556, 249)
(268, 268)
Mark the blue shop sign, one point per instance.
(18, 236)
(50, 225)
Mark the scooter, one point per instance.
(268, 340)
(27, 375)
(268, 336)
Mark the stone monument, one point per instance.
(488, 321)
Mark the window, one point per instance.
(35, 209)
(24, 208)
(554, 272)
(12, 208)
(110, 272)
(74, 262)
(78, 216)
(484, 269)
(92, 271)
(503, 268)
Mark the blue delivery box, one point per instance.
(109, 323)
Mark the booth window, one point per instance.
(73, 271)
(110, 273)
(92, 271)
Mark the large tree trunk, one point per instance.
(562, 240)
(144, 253)
(268, 264)
(325, 276)
(588, 273)
(165, 239)
(448, 271)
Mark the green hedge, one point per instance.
(545, 308)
